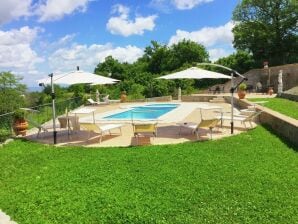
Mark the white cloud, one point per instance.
(56, 9)
(208, 36)
(122, 25)
(13, 9)
(166, 5)
(87, 57)
(15, 49)
(188, 4)
(216, 53)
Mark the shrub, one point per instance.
(242, 86)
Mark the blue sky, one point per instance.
(38, 37)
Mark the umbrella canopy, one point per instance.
(71, 78)
(78, 77)
(195, 73)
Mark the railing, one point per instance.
(40, 114)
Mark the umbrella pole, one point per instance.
(232, 103)
(53, 109)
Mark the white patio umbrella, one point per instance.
(71, 78)
(78, 77)
(195, 73)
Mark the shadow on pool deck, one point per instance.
(167, 133)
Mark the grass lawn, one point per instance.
(249, 178)
(283, 106)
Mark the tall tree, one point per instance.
(187, 52)
(240, 61)
(110, 67)
(11, 92)
(268, 29)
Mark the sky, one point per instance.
(38, 37)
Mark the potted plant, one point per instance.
(123, 97)
(270, 90)
(20, 125)
(242, 90)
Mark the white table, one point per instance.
(84, 110)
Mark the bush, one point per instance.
(242, 86)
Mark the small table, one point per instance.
(84, 110)
(185, 125)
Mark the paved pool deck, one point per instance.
(168, 130)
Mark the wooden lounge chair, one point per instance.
(205, 123)
(100, 129)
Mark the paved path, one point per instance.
(5, 219)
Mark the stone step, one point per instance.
(216, 101)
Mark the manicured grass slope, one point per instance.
(249, 178)
(283, 106)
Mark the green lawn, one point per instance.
(283, 106)
(249, 178)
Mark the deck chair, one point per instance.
(35, 124)
(107, 100)
(205, 123)
(242, 118)
(100, 129)
(143, 127)
(92, 102)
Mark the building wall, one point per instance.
(290, 77)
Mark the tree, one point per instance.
(241, 61)
(11, 92)
(186, 52)
(110, 67)
(267, 29)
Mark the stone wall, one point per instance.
(290, 77)
(159, 99)
(289, 96)
(284, 126)
(197, 98)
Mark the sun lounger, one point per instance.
(242, 118)
(205, 123)
(100, 129)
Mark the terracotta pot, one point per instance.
(123, 97)
(20, 127)
(241, 94)
(270, 91)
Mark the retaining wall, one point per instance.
(284, 126)
(197, 98)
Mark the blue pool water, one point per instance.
(151, 111)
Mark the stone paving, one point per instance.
(168, 130)
(5, 219)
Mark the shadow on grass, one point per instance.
(285, 140)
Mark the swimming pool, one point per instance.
(146, 112)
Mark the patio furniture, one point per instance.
(100, 129)
(242, 118)
(71, 123)
(92, 102)
(143, 127)
(205, 123)
(84, 110)
(40, 127)
(106, 100)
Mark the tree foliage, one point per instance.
(139, 78)
(11, 92)
(240, 61)
(267, 29)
